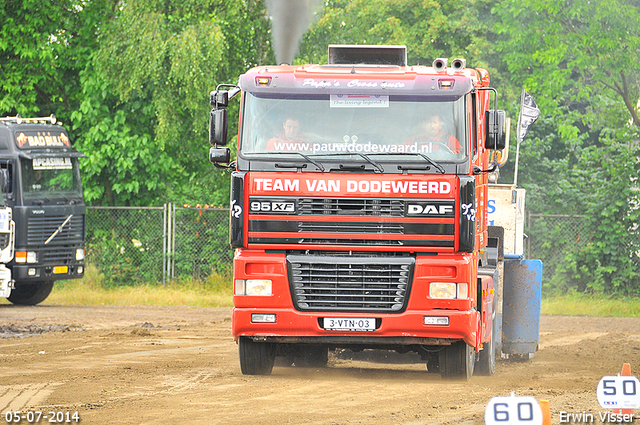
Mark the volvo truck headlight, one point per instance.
(253, 287)
(26, 257)
(79, 254)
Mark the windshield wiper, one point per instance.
(372, 162)
(58, 230)
(365, 157)
(426, 158)
(307, 157)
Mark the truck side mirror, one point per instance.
(219, 98)
(495, 130)
(219, 155)
(218, 127)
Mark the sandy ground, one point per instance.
(179, 365)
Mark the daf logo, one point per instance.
(428, 209)
(38, 212)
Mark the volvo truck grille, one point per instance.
(41, 228)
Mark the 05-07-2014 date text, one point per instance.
(34, 417)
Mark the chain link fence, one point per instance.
(551, 237)
(130, 245)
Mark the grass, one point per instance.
(215, 291)
(595, 305)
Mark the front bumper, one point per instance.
(406, 328)
(40, 272)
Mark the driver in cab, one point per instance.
(290, 138)
(432, 137)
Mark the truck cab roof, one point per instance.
(35, 137)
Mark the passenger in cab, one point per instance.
(433, 137)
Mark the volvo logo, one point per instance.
(38, 212)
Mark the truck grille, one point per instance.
(62, 255)
(353, 222)
(347, 283)
(42, 227)
(349, 206)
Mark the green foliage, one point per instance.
(429, 28)
(129, 246)
(581, 157)
(609, 262)
(131, 79)
(143, 120)
(202, 235)
(44, 44)
(126, 246)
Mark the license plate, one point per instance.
(60, 270)
(347, 324)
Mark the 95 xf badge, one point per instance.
(273, 207)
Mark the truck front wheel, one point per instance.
(457, 361)
(256, 358)
(487, 357)
(30, 293)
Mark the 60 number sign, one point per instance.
(513, 410)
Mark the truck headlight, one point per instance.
(79, 254)
(253, 287)
(26, 257)
(448, 290)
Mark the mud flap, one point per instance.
(521, 306)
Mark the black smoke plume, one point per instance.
(289, 21)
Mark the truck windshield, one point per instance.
(343, 124)
(50, 178)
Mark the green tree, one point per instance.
(577, 58)
(131, 81)
(607, 177)
(586, 50)
(429, 28)
(144, 118)
(44, 45)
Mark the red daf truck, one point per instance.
(359, 210)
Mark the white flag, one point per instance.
(529, 113)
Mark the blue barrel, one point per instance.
(522, 299)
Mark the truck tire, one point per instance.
(314, 356)
(256, 358)
(30, 293)
(457, 361)
(487, 357)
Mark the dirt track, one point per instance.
(152, 365)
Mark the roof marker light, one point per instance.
(446, 83)
(263, 81)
